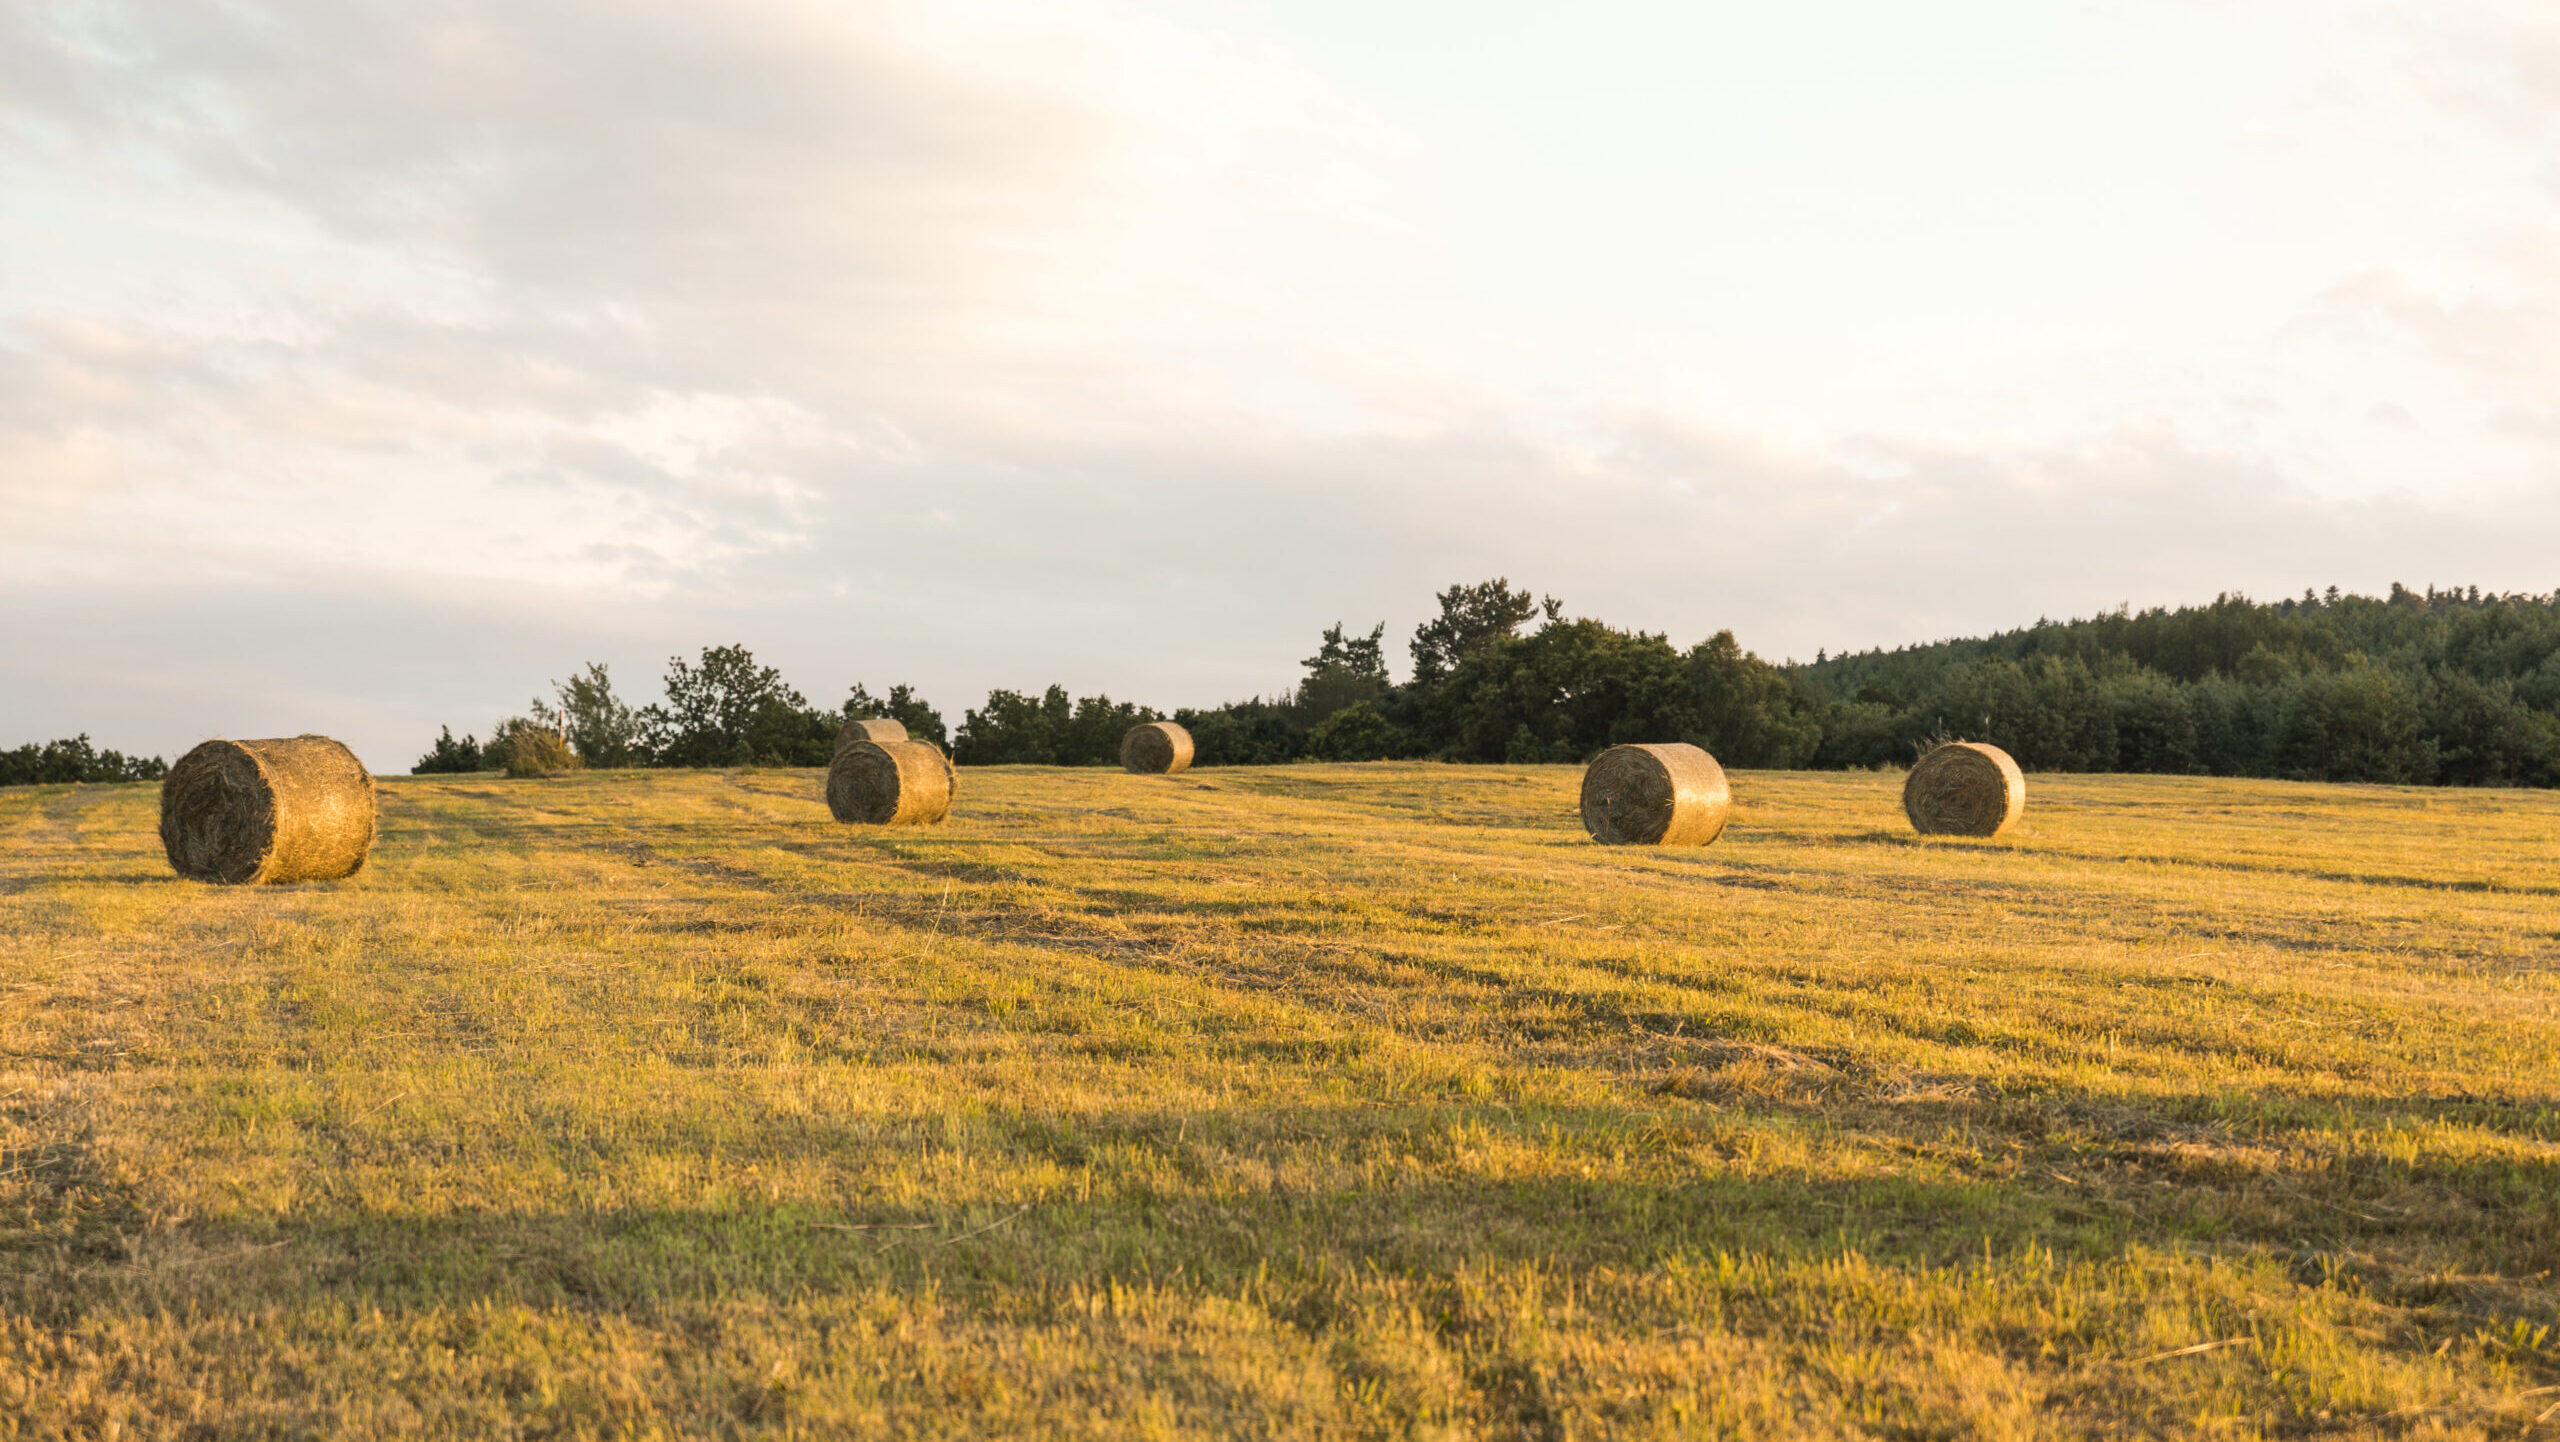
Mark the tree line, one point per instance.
(2447, 687)
(723, 709)
(56, 763)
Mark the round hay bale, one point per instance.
(890, 783)
(1964, 788)
(1158, 748)
(878, 730)
(295, 809)
(1663, 795)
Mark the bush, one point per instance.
(1357, 732)
(532, 751)
(449, 756)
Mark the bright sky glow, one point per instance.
(363, 366)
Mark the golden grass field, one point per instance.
(1319, 1101)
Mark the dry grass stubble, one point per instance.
(1319, 1101)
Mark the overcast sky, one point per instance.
(364, 366)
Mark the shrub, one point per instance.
(533, 751)
(449, 756)
(1357, 732)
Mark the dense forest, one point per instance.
(2450, 687)
(2447, 687)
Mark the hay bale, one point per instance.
(294, 809)
(1964, 788)
(892, 783)
(878, 730)
(1664, 795)
(1158, 748)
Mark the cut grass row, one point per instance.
(1356, 1101)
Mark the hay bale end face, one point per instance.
(879, 730)
(299, 808)
(1964, 788)
(892, 783)
(1671, 794)
(1158, 748)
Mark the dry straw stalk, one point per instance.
(295, 809)
(1671, 794)
(1964, 788)
(893, 783)
(1157, 748)
(879, 730)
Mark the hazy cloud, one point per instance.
(377, 362)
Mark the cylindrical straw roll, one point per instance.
(1157, 748)
(1671, 794)
(894, 783)
(879, 730)
(1964, 788)
(299, 808)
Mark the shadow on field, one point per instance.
(144, 874)
(1217, 1197)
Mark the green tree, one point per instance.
(726, 710)
(603, 730)
(75, 760)
(1343, 671)
(1020, 730)
(1245, 733)
(449, 756)
(1357, 732)
(1744, 711)
(1013, 729)
(1472, 620)
(901, 705)
(2155, 728)
(2483, 735)
(2359, 724)
(1562, 693)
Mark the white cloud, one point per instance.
(979, 343)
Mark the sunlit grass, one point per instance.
(1314, 1101)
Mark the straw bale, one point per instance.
(294, 809)
(1671, 794)
(1157, 748)
(1964, 788)
(891, 783)
(879, 730)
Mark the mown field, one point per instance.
(1306, 1102)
